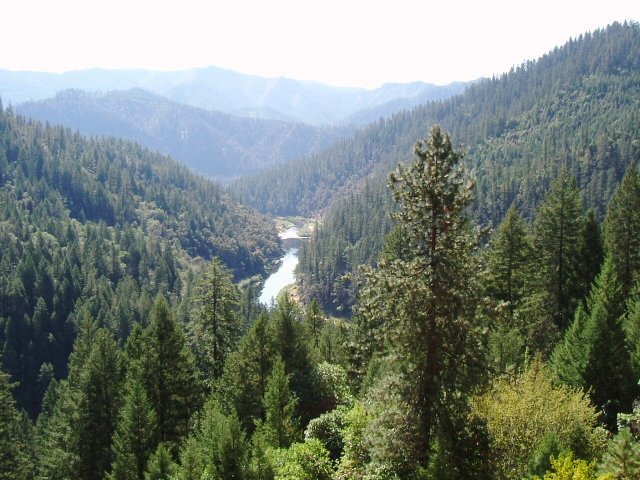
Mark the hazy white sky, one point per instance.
(340, 42)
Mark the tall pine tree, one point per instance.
(244, 381)
(594, 350)
(216, 448)
(590, 253)
(15, 463)
(507, 260)
(135, 433)
(101, 383)
(170, 375)
(215, 325)
(281, 426)
(426, 304)
(556, 239)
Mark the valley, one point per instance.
(207, 274)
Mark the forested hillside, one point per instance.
(101, 227)
(132, 346)
(215, 144)
(517, 360)
(577, 107)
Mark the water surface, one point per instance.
(284, 276)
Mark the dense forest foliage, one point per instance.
(101, 226)
(462, 361)
(214, 144)
(129, 350)
(352, 234)
(576, 108)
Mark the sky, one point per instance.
(338, 42)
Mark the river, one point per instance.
(284, 276)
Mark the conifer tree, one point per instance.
(217, 448)
(100, 388)
(594, 350)
(622, 458)
(288, 335)
(632, 330)
(425, 303)
(56, 443)
(15, 463)
(215, 325)
(608, 371)
(289, 343)
(161, 465)
(281, 427)
(570, 357)
(590, 253)
(170, 375)
(250, 307)
(244, 381)
(556, 239)
(507, 260)
(59, 433)
(135, 432)
(622, 229)
(313, 321)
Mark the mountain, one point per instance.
(99, 228)
(120, 184)
(575, 107)
(215, 144)
(406, 102)
(214, 88)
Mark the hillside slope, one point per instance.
(120, 184)
(100, 228)
(578, 106)
(215, 144)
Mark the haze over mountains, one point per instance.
(574, 103)
(220, 123)
(214, 88)
(215, 144)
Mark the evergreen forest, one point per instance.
(467, 307)
(576, 108)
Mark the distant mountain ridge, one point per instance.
(215, 144)
(214, 88)
(389, 108)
